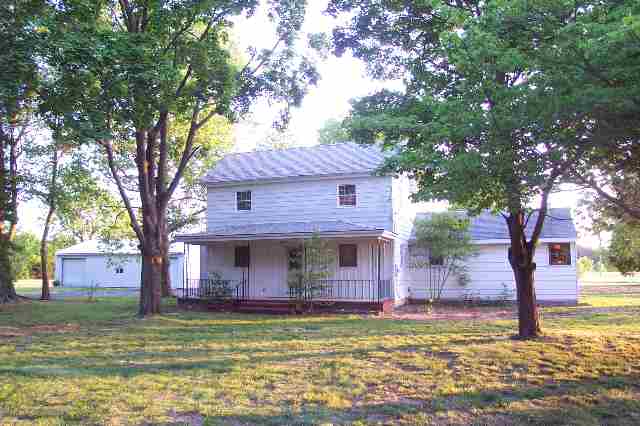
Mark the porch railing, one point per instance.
(215, 289)
(332, 290)
(360, 290)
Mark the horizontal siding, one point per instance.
(268, 270)
(303, 201)
(492, 277)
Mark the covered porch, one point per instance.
(255, 266)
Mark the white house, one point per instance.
(92, 263)
(261, 205)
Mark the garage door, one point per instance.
(73, 272)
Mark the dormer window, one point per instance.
(347, 195)
(243, 200)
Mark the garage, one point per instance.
(96, 264)
(73, 272)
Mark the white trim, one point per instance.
(209, 184)
(205, 239)
(507, 241)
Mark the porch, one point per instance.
(257, 272)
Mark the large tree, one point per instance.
(136, 65)
(19, 82)
(477, 122)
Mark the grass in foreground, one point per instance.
(72, 362)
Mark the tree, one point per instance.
(601, 59)
(312, 267)
(446, 239)
(26, 262)
(134, 66)
(19, 82)
(332, 132)
(624, 250)
(477, 123)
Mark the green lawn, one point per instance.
(74, 362)
(33, 288)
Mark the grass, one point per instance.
(73, 362)
(608, 278)
(34, 287)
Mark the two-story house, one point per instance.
(262, 205)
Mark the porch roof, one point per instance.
(286, 230)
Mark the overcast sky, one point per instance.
(341, 80)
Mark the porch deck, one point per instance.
(320, 296)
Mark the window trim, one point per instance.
(355, 246)
(355, 195)
(568, 244)
(250, 201)
(235, 256)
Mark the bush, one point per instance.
(585, 264)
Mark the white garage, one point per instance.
(92, 263)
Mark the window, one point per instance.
(119, 270)
(348, 254)
(242, 257)
(559, 254)
(243, 200)
(347, 195)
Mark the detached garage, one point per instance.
(92, 263)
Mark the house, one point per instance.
(262, 205)
(92, 263)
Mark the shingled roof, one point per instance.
(486, 226)
(321, 160)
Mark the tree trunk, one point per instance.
(150, 294)
(166, 265)
(521, 260)
(44, 256)
(7, 289)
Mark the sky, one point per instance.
(342, 79)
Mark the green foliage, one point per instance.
(315, 261)
(446, 239)
(585, 264)
(332, 132)
(624, 250)
(27, 256)
(477, 121)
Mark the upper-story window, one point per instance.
(559, 254)
(347, 195)
(243, 200)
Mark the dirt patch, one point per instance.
(38, 329)
(189, 418)
(453, 313)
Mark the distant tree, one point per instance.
(624, 250)
(446, 241)
(26, 261)
(585, 265)
(332, 132)
(480, 121)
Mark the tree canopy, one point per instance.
(481, 121)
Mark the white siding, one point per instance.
(492, 277)
(303, 200)
(100, 270)
(268, 270)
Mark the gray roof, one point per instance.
(487, 226)
(280, 228)
(98, 247)
(320, 160)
